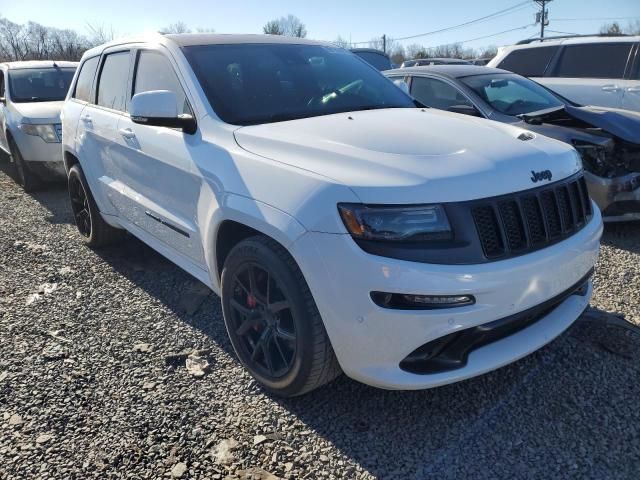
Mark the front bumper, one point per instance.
(618, 198)
(35, 149)
(371, 342)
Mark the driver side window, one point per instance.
(436, 93)
(154, 72)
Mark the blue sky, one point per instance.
(358, 20)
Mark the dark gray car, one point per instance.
(607, 139)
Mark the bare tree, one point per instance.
(273, 27)
(633, 28)
(611, 29)
(177, 27)
(38, 42)
(99, 34)
(342, 42)
(290, 26)
(488, 52)
(415, 51)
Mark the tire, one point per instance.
(272, 307)
(94, 230)
(28, 180)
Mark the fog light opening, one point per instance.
(402, 301)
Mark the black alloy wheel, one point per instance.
(263, 321)
(80, 206)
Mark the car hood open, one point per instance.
(412, 155)
(623, 124)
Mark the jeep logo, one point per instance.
(538, 176)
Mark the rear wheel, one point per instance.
(28, 180)
(272, 319)
(94, 230)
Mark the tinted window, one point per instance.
(39, 84)
(262, 83)
(1, 83)
(85, 80)
(436, 93)
(530, 62)
(512, 94)
(378, 60)
(112, 86)
(154, 72)
(594, 60)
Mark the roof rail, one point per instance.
(559, 37)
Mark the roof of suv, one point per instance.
(189, 39)
(40, 64)
(576, 39)
(451, 71)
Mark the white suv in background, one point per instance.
(593, 70)
(270, 169)
(31, 96)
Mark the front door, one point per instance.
(159, 186)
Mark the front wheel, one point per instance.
(27, 179)
(272, 319)
(94, 230)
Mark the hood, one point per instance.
(412, 155)
(39, 112)
(623, 124)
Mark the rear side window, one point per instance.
(436, 93)
(85, 80)
(594, 60)
(154, 72)
(112, 86)
(2, 84)
(529, 62)
(378, 60)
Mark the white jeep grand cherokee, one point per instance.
(344, 228)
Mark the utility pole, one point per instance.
(384, 43)
(543, 15)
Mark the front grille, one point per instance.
(533, 219)
(59, 131)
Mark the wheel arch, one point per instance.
(243, 218)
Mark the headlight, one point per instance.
(392, 223)
(45, 132)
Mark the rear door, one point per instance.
(3, 137)
(159, 185)
(631, 86)
(98, 125)
(591, 73)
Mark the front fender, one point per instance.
(264, 218)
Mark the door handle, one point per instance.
(127, 133)
(610, 88)
(86, 118)
(633, 89)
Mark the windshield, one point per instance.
(249, 84)
(512, 94)
(39, 84)
(378, 60)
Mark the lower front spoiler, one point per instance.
(452, 351)
(493, 356)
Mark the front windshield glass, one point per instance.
(249, 84)
(39, 84)
(512, 94)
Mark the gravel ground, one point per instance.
(93, 382)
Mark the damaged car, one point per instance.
(607, 139)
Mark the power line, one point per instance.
(505, 11)
(499, 33)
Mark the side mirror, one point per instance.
(159, 108)
(465, 110)
(402, 85)
(3, 100)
